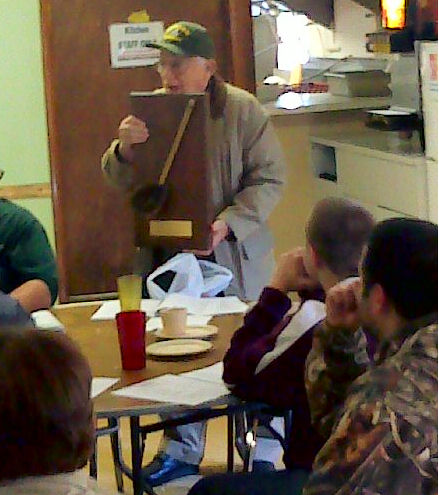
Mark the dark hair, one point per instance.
(218, 94)
(402, 258)
(338, 230)
(46, 416)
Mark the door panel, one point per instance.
(86, 100)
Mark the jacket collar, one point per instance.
(390, 347)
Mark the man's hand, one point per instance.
(291, 274)
(220, 231)
(342, 304)
(131, 131)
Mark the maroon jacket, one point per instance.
(267, 364)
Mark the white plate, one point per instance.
(198, 332)
(178, 347)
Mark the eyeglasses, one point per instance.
(177, 66)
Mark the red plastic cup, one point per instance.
(131, 332)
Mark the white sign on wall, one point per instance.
(127, 44)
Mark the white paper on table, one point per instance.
(99, 384)
(45, 320)
(109, 309)
(156, 323)
(213, 374)
(205, 305)
(176, 389)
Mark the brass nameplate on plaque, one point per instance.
(170, 228)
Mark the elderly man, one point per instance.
(248, 166)
(380, 419)
(248, 174)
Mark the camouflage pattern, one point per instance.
(383, 437)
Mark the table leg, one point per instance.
(93, 462)
(137, 447)
(117, 457)
(230, 442)
(136, 455)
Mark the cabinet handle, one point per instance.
(328, 176)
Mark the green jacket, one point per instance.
(248, 175)
(382, 426)
(25, 252)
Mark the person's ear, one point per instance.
(378, 301)
(314, 258)
(211, 66)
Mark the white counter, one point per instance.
(325, 102)
(384, 173)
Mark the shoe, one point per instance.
(165, 468)
(263, 467)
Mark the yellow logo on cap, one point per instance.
(176, 32)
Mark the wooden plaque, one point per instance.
(184, 220)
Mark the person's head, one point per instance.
(336, 233)
(46, 416)
(187, 58)
(399, 273)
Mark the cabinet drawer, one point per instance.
(325, 188)
(384, 183)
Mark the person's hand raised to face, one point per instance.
(343, 304)
(291, 274)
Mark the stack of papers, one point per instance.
(212, 373)
(99, 384)
(205, 306)
(190, 389)
(109, 309)
(45, 320)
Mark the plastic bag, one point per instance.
(193, 277)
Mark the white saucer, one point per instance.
(198, 332)
(178, 347)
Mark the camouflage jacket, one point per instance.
(380, 419)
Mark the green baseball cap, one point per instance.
(187, 39)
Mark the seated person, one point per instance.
(28, 275)
(46, 415)
(266, 359)
(382, 418)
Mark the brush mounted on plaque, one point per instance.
(173, 200)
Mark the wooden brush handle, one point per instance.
(177, 140)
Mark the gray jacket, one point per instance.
(12, 314)
(248, 174)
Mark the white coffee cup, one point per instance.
(174, 321)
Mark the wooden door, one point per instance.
(86, 100)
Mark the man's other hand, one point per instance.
(220, 230)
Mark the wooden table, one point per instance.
(99, 343)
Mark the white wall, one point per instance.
(24, 151)
(352, 22)
(348, 38)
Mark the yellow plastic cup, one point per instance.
(130, 292)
